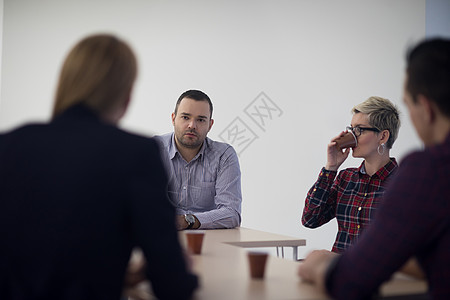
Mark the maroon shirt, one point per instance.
(413, 219)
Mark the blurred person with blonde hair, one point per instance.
(77, 193)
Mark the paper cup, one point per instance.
(348, 140)
(257, 264)
(195, 241)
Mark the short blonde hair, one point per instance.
(383, 115)
(98, 72)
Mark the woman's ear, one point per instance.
(385, 136)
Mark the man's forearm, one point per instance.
(223, 217)
(182, 224)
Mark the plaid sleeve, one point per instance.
(320, 203)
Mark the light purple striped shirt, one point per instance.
(209, 186)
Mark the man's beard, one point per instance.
(187, 142)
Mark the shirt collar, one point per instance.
(446, 141)
(362, 168)
(384, 171)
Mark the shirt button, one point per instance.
(314, 190)
(365, 194)
(359, 208)
(358, 226)
(184, 187)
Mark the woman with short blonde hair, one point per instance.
(383, 115)
(352, 195)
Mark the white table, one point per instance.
(224, 274)
(249, 238)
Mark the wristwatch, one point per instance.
(190, 219)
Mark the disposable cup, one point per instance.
(195, 241)
(257, 264)
(348, 140)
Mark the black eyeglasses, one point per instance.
(358, 130)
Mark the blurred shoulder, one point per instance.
(434, 156)
(163, 140)
(134, 141)
(22, 131)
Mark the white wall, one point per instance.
(312, 59)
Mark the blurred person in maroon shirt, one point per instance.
(412, 223)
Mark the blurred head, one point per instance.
(197, 96)
(428, 73)
(382, 115)
(427, 89)
(98, 72)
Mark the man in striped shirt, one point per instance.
(204, 175)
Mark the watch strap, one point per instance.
(190, 224)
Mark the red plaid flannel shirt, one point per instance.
(351, 198)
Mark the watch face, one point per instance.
(190, 219)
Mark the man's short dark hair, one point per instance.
(428, 71)
(197, 96)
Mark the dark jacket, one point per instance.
(76, 195)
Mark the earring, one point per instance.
(383, 146)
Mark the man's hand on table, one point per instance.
(182, 224)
